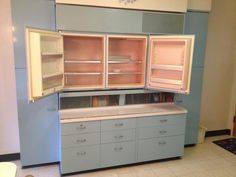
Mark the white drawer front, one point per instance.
(80, 159)
(117, 136)
(161, 120)
(117, 154)
(80, 140)
(160, 148)
(118, 124)
(161, 131)
(80, 127)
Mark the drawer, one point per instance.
(117, 154)
(118, 136)
(80, 159)
(160, 148)
(80, 140)
(161, 120)
(160, 131)
(118, 124)
(80, 127)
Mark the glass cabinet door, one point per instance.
(44, 62)
(170, 62)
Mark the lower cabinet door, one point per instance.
(117, 154)
(160, 148)
(80, 159)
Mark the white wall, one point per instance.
(9, 136)
(217, 95)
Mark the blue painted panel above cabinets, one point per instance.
(197, 23)
(39, 121)
(95, 19)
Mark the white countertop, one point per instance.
(119, 112)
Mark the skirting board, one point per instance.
(9, 157)
(218, 132)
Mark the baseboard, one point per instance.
(9, 157)
(40, 165)
(218, 132)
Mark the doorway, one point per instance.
(234, 129)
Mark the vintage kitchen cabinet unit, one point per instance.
(71, 61)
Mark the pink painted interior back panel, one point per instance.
(125, 79)
(83, 80)
(167, 74)
(126, 67)
(75, 67)
(83, 48)
(131, 52)
(168, 52)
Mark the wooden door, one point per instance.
(170, 63)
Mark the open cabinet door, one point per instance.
(45, 63)
(170, 63)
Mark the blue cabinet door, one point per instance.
(197, 23)
(192, 103)
(39, 121)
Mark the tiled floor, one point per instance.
(203, 160)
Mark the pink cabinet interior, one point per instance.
(84, 61)
(126, 61)
(170, 63)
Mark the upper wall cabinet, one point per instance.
(72, 61)
(154, 5)
(170, 63)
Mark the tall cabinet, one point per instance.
(196, 23)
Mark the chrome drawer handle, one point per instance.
(81, 127)
(81, 140)
(118, 148)
(119, 124)
(161, 142)
(163, 120)
(81, 153)
(163, 132)
(119, 136)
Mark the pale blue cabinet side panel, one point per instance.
(30, 13)
(192, 103)
(38, 122)
(197, 23)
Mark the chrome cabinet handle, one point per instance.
(119, 124)
(162, 142)
(81, 153)
(81, 141)
(163, 120)
(81, 127)
(119, 136)
(162, 131)
(118, 148)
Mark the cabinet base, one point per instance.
(119, 166)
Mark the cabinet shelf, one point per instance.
(125, 62)
(83, 61)
(84, 73)
(167, 81)
(124, 73)
(47, 76)
(167, 67)
(51, 54)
